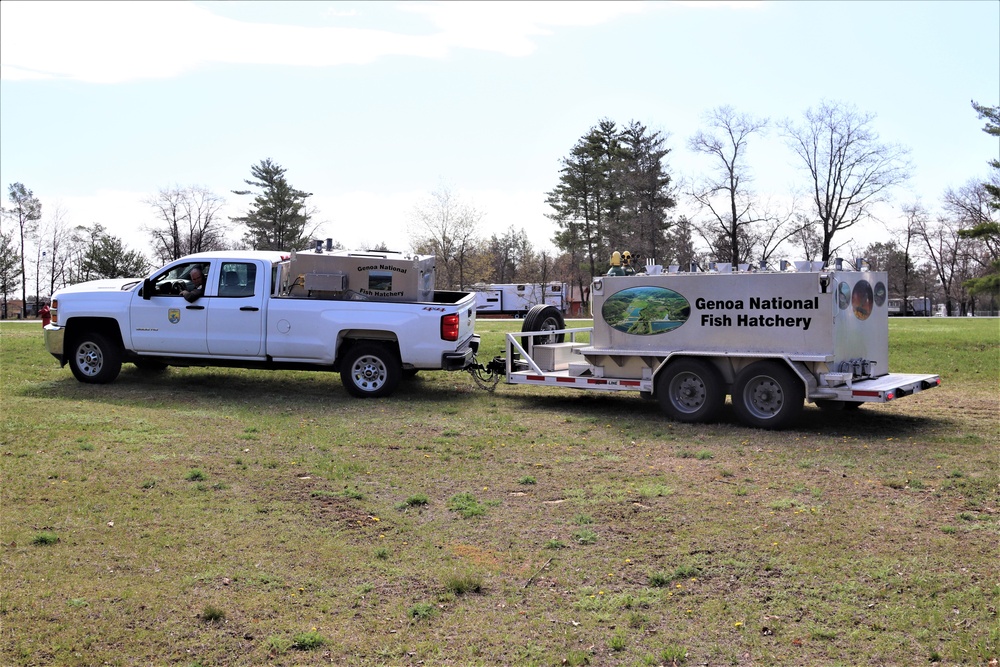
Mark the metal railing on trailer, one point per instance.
(522, 368)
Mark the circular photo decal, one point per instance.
(844, 296)
(862, 299)
(880, 293)
(646, 311)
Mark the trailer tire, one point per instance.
(370, 370)
(544, 318)
(94, 359)
(691, 391)
(767, 395)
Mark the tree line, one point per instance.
(614, 191)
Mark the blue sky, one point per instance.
(371, 106)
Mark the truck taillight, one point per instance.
(449, 327)
(54, 311)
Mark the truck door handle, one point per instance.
(195, 307)
(252, 309)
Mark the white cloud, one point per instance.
(112, 42)
(508, 27)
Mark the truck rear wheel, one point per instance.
(544, 318)
(767, 395)
(690, 390)
(94, 359)
(370, 370)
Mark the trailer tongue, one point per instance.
(770, 340)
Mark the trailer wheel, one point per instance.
(690, 390)
(544, 318)
(94, 359)
(767, 395)
(370, 370)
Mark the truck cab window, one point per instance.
(236, 279)
(177, 279)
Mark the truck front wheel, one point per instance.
(94, 359)
(767, 395)
(370, 370)
(690, 390)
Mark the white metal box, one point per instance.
(379, 276)
(556, 356)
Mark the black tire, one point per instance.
(94, 359)
(370, 370)
(691, 391)
(544, 318)
(768, 395)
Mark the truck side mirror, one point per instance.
(148, 287)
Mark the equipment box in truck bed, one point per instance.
(380, 276)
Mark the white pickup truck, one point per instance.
(374, 317)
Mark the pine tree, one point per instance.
(277, 217)
(613, 194)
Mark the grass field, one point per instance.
(229, 517)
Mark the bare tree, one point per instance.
(511, 255)
(946, 252)
(25, 213)
(850, 170)
(916, 219)
(808, 238)
(9, 260)
(446, 227)
(971, 205)
(725, 195)
(57, 239)
(189, 222)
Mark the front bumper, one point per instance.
(55, 339)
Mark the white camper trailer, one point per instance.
(518, 298)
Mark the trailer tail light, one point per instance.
(449, 327)
(54, 311)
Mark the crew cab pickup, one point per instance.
(374, 317)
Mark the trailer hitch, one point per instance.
(487, 377)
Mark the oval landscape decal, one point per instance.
(645, 311)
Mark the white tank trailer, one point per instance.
(768, 339)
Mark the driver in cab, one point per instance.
(198, 286)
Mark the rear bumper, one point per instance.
(462, 358)
(879, 390)
(55, 339)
